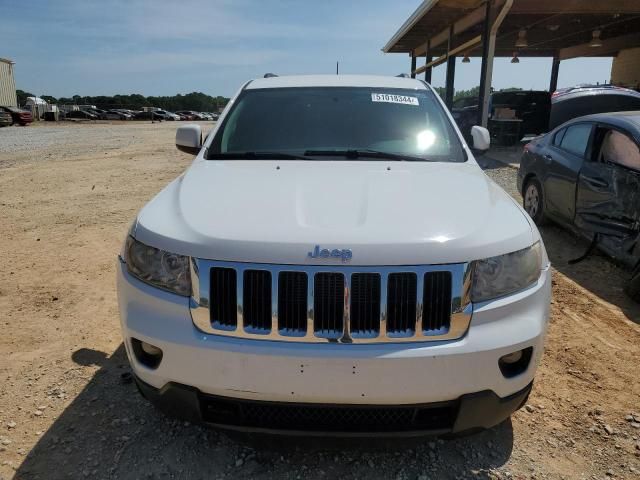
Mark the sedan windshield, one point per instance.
(337, 123)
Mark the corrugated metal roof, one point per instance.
(552, 27)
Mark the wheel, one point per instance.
(532, 201)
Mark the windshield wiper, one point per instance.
(366, 153)
(254, 156)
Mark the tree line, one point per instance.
(197, 101)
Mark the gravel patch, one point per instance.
(46, 141)
(502, 174)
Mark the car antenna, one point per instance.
(403, 75)
(337, 67)
(270, 75)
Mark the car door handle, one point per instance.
(596, 182)
(547, 157)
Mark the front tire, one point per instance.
(533, 201)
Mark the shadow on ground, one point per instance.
(487, 163)
(596, 273)
(110, 432)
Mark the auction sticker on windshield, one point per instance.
(386, 97)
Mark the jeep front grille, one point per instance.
(347, 304)
(223, 301)
(365, 305)
(401, 304)
(292, 303)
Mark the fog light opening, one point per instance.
(150, 349)
(515, 363)
(147, 354)
(508, 359)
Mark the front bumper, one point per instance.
(358, 375)
(467, 414)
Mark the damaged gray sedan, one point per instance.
(585, 174)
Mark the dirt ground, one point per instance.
(66, 411)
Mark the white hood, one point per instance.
(386, 213)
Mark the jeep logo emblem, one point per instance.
(345, 254)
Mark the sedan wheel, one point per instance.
(532, 201)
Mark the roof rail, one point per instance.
(403, 75)
(269, 75)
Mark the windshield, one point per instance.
(341, 119)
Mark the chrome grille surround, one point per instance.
(461, 306)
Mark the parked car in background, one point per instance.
(117, 115)
(465, 113)
(101, 114)
(18, 115)
(151, 115)
(531, 107)
(193, 115)
(169, 115)
(5, 119)
(585, 174)
(186, 115)
(575, 102)
(83, 114)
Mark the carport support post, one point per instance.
(451, 73)
(555, 69)
(449, 88)
(413, 65)
(429, 58)
(486, 30)
(488, 66)
(488, 75)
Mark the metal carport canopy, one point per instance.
(441, 29)
(553, 27)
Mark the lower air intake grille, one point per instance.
(329, 418)
(328, 306)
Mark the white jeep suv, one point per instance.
(334, 261)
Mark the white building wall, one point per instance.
(7, 84)
(625, 69)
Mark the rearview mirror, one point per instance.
(189, 139)
(481, 139)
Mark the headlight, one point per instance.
(497, 276)
(157, 267)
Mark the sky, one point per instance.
(164, 47)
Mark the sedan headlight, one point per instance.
(498, 276)
(156, 267)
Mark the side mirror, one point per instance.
(481, 139)
(189, 139)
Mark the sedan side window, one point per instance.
(576, 138)
(619, 149)
(557, 138)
